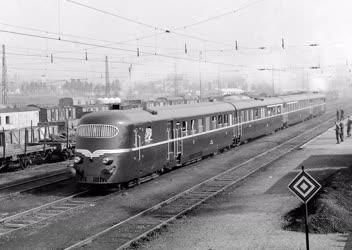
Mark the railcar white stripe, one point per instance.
(100, 152)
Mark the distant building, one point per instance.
(16, 118)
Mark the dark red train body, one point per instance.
(118, 146)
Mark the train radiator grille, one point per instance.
(97, 131)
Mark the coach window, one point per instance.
(200, 125)
(219, 121)
(274, 111)
(269, 111)
(207, 123)
(184, 128)
(193, 127)
(262, 112)
(7, 118)
(230, 119)
(256, 113)
(278, 110)
(213, 122)
(226, 120)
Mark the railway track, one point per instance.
(35, 215)
(133, 229)
(15, 189)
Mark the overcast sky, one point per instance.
(259, 24)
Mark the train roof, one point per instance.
(305, 96)
(135, 116)
(244, 104)
(173, 112)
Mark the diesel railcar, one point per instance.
(119, 146)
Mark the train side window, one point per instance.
(213, 122)
(242, 116)
(270, 111)
(256, 113)
(207, 123)
(7, 119)
(278, 110)
(184, 128)
(200, 125)
(274, 109)
(193, 127)
(226, 119)
(219, 121)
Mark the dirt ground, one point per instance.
(248, 216)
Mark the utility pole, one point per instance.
(175, 81)
(219, 83)
(272, 78)
(4, 77)
(200, 84)
(200, 77)
(107, 83)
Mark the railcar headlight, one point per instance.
(107, 160)
(77, 159)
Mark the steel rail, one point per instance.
(40, 213)
(33, 183)
(140, 225)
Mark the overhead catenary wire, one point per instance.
(113, 48)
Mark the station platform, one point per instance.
(32, 172)
(326, 143)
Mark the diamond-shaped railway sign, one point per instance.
(304, 186)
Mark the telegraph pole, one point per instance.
(175, 81)
(219, 83)
(107, 83)
(4, 77)
(272, 78)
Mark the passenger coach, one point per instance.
(119, 146)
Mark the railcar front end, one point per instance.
(102, 149)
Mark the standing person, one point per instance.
(349, 124)
(341, 114)
(337, 132)
(337, 115)
(341, 130)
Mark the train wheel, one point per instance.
(4, 166)
(23, 161)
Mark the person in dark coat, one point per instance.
(342, 114)
(337, 132)
(337, 115)
(341, 130)
(349, 124)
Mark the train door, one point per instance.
(240, 120)
(238, 128)
(284, 111)
(138, 137)
(171, 143)
(178, 145)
